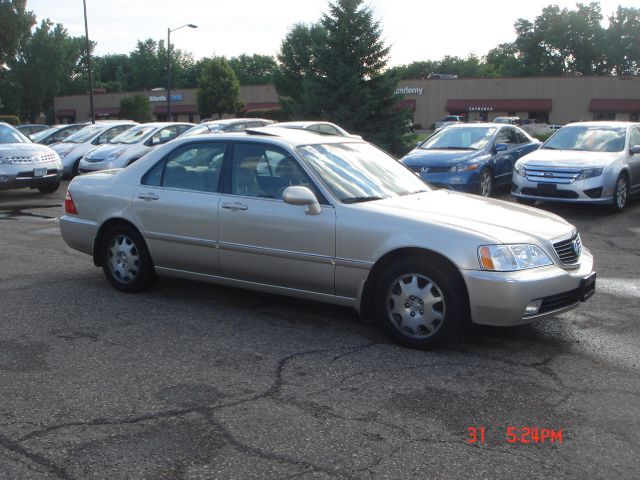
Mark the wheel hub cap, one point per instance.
(416, 306)
(123, 259)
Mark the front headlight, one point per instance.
(116, 154)
(589, 173)
(520, 170)
(463, 168)
(64, 153)
(507, 258)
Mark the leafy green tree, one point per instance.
(622, 39)
(297, 63)
(136, 108)
(15, 27)
(253, 69)
(342, 78)
(218, 88)
(47, 64)
(504, 60)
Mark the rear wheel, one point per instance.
(49, 188)
(420, 302)
(621, 193)
(125, 259)
(486, 183)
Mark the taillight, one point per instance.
(69, 206)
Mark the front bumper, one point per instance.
(460, 182)
(500, 298)
(25, 175)
(592, 191)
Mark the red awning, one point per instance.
(500, 105)
(107, 111)
(622, 105)
(66, 112)
(175, 109)
(260, 106)
(407, 103)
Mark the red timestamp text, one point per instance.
(520, 435)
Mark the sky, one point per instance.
(415, 29)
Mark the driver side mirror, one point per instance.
(635, 149)
(299, 195)
(500, 147)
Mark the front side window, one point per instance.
(634, 139)
(193, 167)
(588, 138)
(508, 136)
(112, 132)
(133, 135)
(168, 133)
(259, 170)
(359, 172)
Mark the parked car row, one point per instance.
(585, 162)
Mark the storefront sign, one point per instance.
(163, 98)
(409, 91)
(481, 109)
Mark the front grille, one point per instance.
(569, 250)
(536, 192)
(22, 160)
(431, 169)
(552, 175)
(555, 302)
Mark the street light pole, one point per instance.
(169, 30)
(86, 34)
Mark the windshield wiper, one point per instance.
(460, 148)
(549, 148)
(413, 193)
(362, 199)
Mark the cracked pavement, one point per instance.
(194, 381)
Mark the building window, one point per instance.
(191, 118)
(539, 117)
(604, 116)
(634, 117)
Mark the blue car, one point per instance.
(473, 158)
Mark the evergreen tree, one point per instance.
(136, 108)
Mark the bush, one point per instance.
(10, 119)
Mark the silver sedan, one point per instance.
(327, 219)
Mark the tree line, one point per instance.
(335, 69)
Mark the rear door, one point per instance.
(176, 207)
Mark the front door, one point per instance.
(503, 161)
(176, 206)
(262, 238)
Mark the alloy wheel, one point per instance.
(621, 192)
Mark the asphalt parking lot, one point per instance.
(196, 381)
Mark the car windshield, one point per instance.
(359, 172)
(84, 134)
(463, 138)
(11, 135)
(587, 138)
(36, 137)
(133, 135)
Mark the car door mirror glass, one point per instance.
(635, 149)
(299, 195)
(500, 147)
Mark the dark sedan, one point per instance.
(474, 158)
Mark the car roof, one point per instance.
(606, 123)
(225, 121)
(275, 135)
(303, 123)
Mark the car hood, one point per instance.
(503, 221)
(23, 149)
(434, 158)
(568, 158)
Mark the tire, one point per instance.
(125, 259)
(49, 188)
(621, 193)
(486, 186)
(75, 170)
(407, 288)
(525, 201)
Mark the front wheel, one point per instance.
(49, 188)
(420, 302)
(620, 193)
(486, 183)
(125, 260)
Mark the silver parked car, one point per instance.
(78, 144)
(587, 162)
(56, 133)
(227, 125)
(24, 164)
(131, 145)
(323, 128)
(328, 219)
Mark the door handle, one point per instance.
(148, 196)
(235, 206)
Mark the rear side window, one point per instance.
(194, 167)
